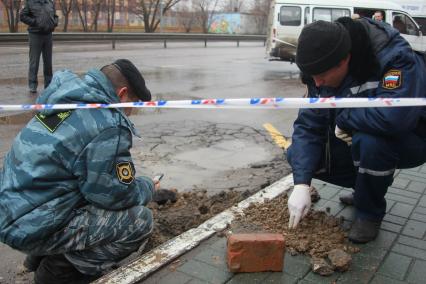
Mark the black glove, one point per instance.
(161, 196)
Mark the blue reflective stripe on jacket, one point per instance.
(312, 127)
(48, 174)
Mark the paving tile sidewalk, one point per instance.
(398, 255)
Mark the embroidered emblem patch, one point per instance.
(392, 79)
(125, 172)
(52, 122)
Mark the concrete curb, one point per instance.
(165, 253)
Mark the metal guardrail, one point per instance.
(8, 38)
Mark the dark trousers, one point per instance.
(40, 44)
(368, 167)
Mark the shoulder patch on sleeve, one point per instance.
(52, 122)
(125, 172)
(392, 79)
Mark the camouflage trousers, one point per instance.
(95, 240)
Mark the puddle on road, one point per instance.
(225, 155)
(209, 167)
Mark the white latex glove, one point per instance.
(299, 204)
(343, 135)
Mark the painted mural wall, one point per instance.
(226, 23)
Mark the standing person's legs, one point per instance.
(47, 59)
(92, 242)
(35, 44)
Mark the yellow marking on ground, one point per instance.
(279, 139)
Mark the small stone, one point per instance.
(340, 260)
(352, 249)
(314, 194)
(292, 251)
(321, 267)
(203, 209)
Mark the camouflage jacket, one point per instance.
(62, 160)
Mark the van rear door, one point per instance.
(287, 23)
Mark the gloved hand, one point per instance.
(343, 135)
(299, 204)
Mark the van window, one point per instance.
(290, 16)
(422, 22)
(307, 14)
(404, 24)
(368, 13)
(330, 14)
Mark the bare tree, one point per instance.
(110, 11)
(260, 11)
(233, 5)
(12, 8)
(150, 11)
(205, 12)
(96, 9)
(66, 8)
(82, 7)
(186, 18)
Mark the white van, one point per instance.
(288, 17)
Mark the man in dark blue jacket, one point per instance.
(356, 147)
(41, 19)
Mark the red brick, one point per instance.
(255, 252)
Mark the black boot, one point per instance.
(347, 199)
(56, 269)
(364, 231)
(32, 262)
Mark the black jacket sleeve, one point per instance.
(26, 16)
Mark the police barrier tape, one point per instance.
(249, 103)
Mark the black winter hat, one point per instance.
(134, 77)
(322, 45)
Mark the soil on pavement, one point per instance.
(318, 234)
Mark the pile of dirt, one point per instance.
(318, 234)
(189, 211)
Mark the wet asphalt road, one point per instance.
(182, 71)
(196, 149)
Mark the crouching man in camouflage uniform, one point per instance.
(69, 197)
